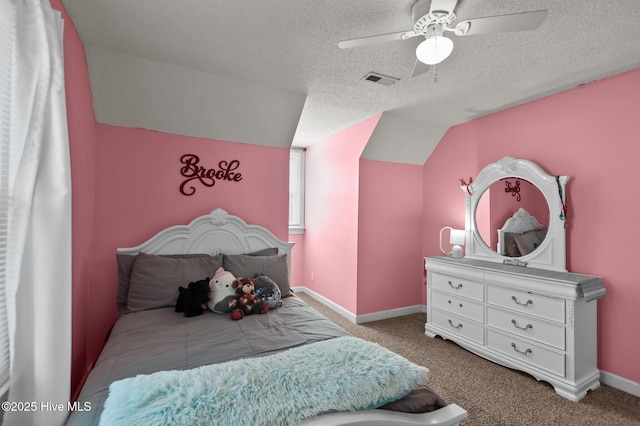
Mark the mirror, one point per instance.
(499, 202)
(515, 213)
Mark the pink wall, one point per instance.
(82, 145)
(137, 194)
(589, 133)
(443, 200)
(331, 214)
(363, 223)
(297, 259)
(390, 266)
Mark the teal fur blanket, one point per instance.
(343, 374)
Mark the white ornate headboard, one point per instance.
(520, 222)
(217, 232)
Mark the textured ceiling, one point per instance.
(270, 72)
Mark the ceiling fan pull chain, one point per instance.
(435, 76)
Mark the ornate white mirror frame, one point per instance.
(551, 254)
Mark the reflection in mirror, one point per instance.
(502, 199)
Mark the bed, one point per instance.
(289, 366)
(520, 235)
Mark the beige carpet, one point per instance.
(492, 395)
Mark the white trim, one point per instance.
(361, 319)
(390, 313)
(620, 383)
(296, 189)
(296, 230)
(328, 303)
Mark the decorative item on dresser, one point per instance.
(456, 239)
(542, 319)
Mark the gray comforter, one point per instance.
(161, 339)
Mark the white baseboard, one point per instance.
(361, 319)
(620, 383)
(606, 378)
(391, 313)
(328, 303)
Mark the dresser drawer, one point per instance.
(528, 352)
(527, 327)
(457, 305)
(531, 304)
(458, 286)
(458, 325)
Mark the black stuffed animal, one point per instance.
(193, 300)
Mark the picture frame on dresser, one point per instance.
(540, 319)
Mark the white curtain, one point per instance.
(38, 269)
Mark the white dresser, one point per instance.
(534, 320)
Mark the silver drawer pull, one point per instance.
(528, 351)
(457, 287)
(455, 326)
(515, 299)
(525, 328)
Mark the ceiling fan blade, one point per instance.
(447, 6)
(363, 41)
(503, 23)
(419, 68)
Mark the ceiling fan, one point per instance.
(433, 17)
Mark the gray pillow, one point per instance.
(125, 266)
(275, 267)
(271, 251)
(155, 279)
(530, 240)
(510, 245)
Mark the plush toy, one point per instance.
(246, 302)
(268, 290)
(193, 299)
(222, 291)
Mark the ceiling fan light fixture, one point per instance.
(434, 49)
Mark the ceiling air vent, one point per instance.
(385, 80)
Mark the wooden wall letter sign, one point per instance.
(192, 169)
(513, 189)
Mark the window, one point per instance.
(296, 190)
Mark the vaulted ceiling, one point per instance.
(270, 72)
